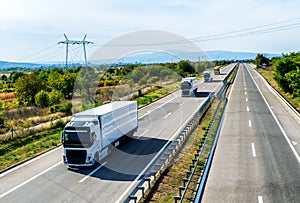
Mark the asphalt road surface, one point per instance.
(46, 179)
(257, 156)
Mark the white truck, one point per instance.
(188, 86)
(92, 134)
(207, 76)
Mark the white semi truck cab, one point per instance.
(91, 135)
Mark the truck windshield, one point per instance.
(77, 139)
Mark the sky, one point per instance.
(31, 29)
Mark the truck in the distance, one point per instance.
(188, 86)
(207, 76)
(217, 70)
(92, 134)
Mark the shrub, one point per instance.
(42, 99)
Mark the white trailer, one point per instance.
(207, 76)
(188, 86)
(91, 135)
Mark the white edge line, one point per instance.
(91, 173)
(154, 158)
(28, 180)
(279, 95)
(260, 199)
(253, 150)
(166, 116)
(276, 120)
(138, 137)
(229, 96)
(30, 161)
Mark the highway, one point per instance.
(46, 179)
(257, 155)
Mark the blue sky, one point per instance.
(29, 26)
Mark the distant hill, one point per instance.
(154, 57)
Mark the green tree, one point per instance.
(55, 97)
(293, 79)
(14, 76)
(184, 68)
(261, 59)
(27, 87)
(281, 68)
(4, 78)
(42, 99)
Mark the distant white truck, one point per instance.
(207, 76)
(188, 86)
(91, 135)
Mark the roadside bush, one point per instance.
(65, 108)
(58, 124)
(42, 99)
(55, 97)
(2, 120)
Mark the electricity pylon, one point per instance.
(68, 42)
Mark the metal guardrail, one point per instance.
(163, 160)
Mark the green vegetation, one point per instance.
(287, 73)
(284, 75)
(261, 60)
(21, 148)
(29, 97)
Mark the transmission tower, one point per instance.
(68, 42)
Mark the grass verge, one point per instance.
(268, 74)
(24, 147)
(158, 93)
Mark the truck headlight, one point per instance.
(88, 160)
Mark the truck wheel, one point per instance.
(96, 158)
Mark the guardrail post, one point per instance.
(180, 189)
(176, 198)
(148, 180)
(132, 197)
(143, 190)
(185, 180)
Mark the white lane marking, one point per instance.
(154, 158)
(246, 99)
(30, 161)
(148, 112)
(245, 88)
(294, 143)
(166, 116)
(277, 121)
(248, 108)
(260, 199)
(28, 180)
(253, 150)
(143, 134)
(182, 104)
(250, 124)
(245, 93)
(91, 173)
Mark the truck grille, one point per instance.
(76, 156)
